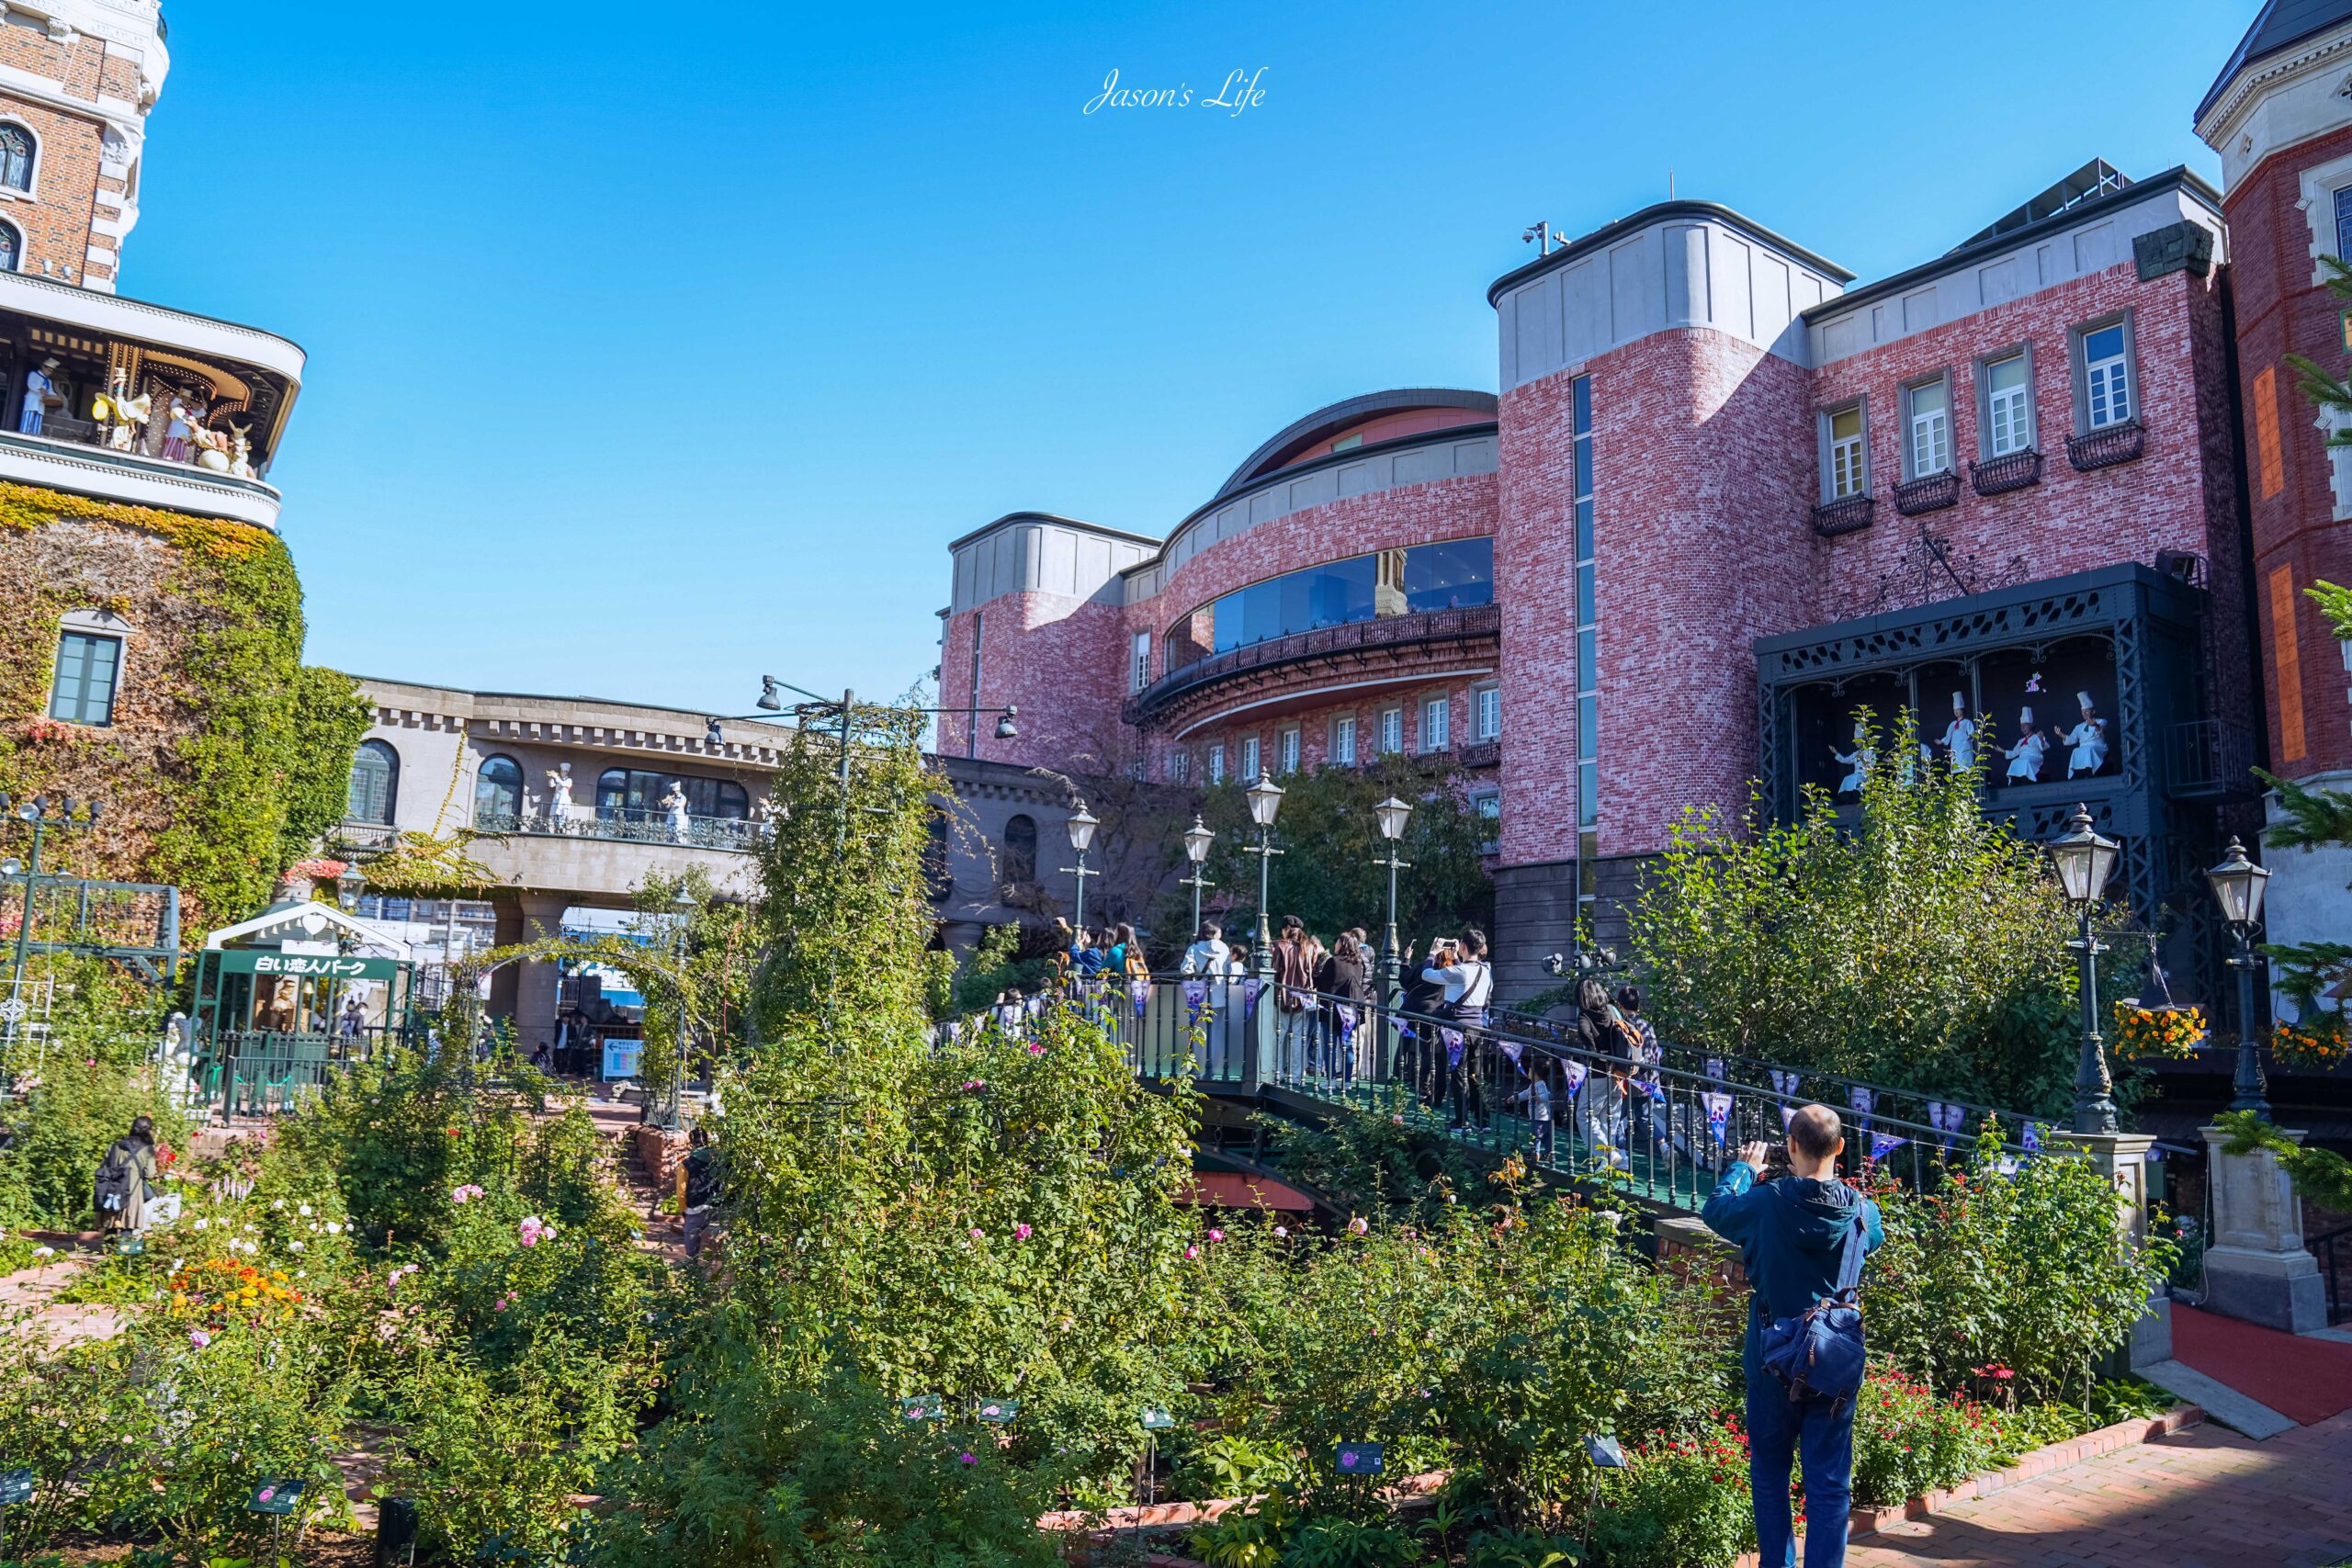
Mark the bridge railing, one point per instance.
(1666, 1129)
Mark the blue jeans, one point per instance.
(1778, 1432)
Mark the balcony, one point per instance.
(631, 827)
(1998, 476)
(2104, 448)
(1480, 755)
(2210, 759)
(129, 401)
(1393, 645)
(1931, 492)
(1850, 515)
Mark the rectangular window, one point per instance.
(1436, 713)
(1249, 758)
(1849, 467)
(1290, 749)
(2104, 361)
(2344, 221)
(1588, 613)
(1180, 766)
(1139, 662)
(1392, 729)
(84, 691)
(1348, 443)
(2008, 406)
(1489, 721)
(1488, 807)
(1216, 761)
(1929, 418)
(1343, 740)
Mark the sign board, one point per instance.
(621, 1058)
(998, 1411)
(276, 1497)
(16, 1486)
(130, 1245)
(1158, 1421)
(304, 966)
(1359, 1459)
(1604, 1452)
(923, 1408)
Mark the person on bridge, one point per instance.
(1792, 1235)
(1461, 967)
(1345, 981)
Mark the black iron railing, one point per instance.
(2334, 1251)
(629, 826)
(1998, 475)
(2104, 448)
(1851, 515)
(1931, 492)
(1387, 631)
(2210, 759)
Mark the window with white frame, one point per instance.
(1343, 740)
(1139, 662)
(1927, 419)
(1289, 752)
(1180, 765)
(1487, 805)
(2009, 405)
(1216, 761)
(1845, 469)
(1392, 729)
(17, 151)
(2344, 221)
(2103, 366)
(1249, 758)
(82, 690)
(1437, 714)
(1487, 714)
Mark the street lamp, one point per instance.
(36, 814)
(1197, 839)
(1392, 815)
(2238, 883)
(1082, 824)
(346, 889)
(2084, 861)
(1265, 798)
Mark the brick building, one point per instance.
(1724, 499)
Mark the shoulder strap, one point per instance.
(1850, 1259)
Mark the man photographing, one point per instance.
(1802, 1239)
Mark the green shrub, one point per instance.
(1684, 1504)
(1907, 1441)
(1522, 1549)
(1351, 1543)
(79, 1106)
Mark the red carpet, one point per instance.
(2303, 1378)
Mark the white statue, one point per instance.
(559, 795)
(767, 814)
(674, 803)
(123, 416)
(1857, 762)
(213, 454)
(2025, 757)
(1959, 736)
(179, 432)
(40, 396)
(530, 806)
(2089, 739)
(241, 453)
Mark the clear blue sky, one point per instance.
(655, 347)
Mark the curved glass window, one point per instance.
(1454, 574)
(1021, 849)
(635, 795)
(16, 157)
(374, 783)
(498, 793)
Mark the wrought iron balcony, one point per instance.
(2104, 448)
(1998, 476)
(1929, 492)
(1353, 639)
(628, 827)
(1480, 755)
(1850, 515)
(2211, 759)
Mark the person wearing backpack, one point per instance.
(125, 1178)
(1802, 1239)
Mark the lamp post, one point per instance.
(1265, 798)
(36, 814)
(2084, 861)
(2238, 883)
(1082, 824)
(1197, 839)
(683, 907)
(1392, 815)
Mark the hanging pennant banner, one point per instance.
(1861, 1100)
(2032, 1139)
(1656, 1092)
(1788, 1114)
(1196, 996)
(1453, 1040)
(1141, 991)
(1718, 1114)
(1937, 1112)
(1248, 997)
(1574, 1073)
(1715, 1068)
(2006, 1164)
(1785, 1082)
(1885, 1143)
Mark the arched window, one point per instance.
(1021, 849)
(732, 803)
(17, 149)
(12, 248)
(498, 794)
(374, 783)
(612, 794)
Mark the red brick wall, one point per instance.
(56, 223)
(1062, 661)
(2175, 496)
(1536, 581)
(2281, 312)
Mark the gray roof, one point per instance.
(2281, 25)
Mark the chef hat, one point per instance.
(2026, 717)
(1959, 702)
(2083, 699)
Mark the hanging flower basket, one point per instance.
(2159, 1033)
(2317, 1043)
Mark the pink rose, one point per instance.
(1021, 1233)
(1192, 1252)
(198, 1338)
(1357, 1226)
(1215, 1234)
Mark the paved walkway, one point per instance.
(2203, 1498)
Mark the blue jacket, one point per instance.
(1086, 961)
(1789, 1233)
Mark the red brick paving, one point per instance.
(2203, 1498)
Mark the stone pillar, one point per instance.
(2122, 1158)
(2257, 1268)
(535, 983)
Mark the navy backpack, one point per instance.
(1817, 1354)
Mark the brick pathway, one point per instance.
(2203, 1498)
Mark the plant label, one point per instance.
(1359, 1459)
(1158, 1421)
(998, 1411)
(276, 1497)
(923, 1408)
(16, 1486)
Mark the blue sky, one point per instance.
(653, 348)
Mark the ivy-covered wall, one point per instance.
(227, 755)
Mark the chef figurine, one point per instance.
(1959, 736)
(1858, 760)
(674, 803)
(558, 796)
(2089, 739)
(40, 396)
(2025, 757)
